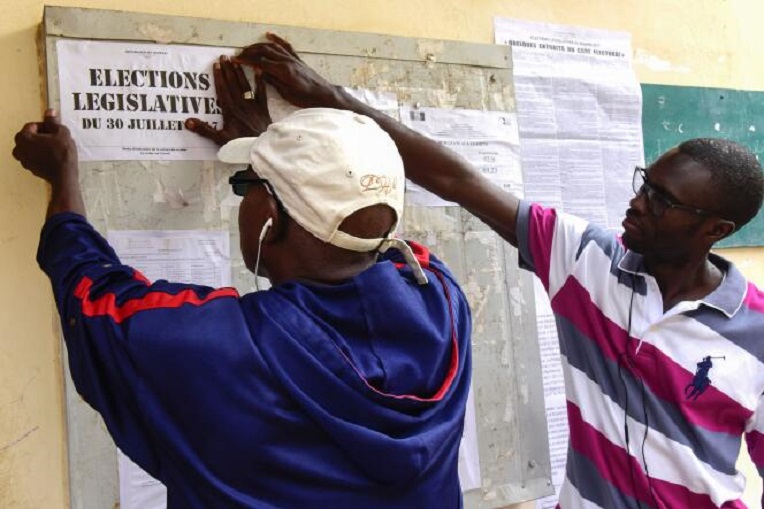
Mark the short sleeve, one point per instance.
(549, 242)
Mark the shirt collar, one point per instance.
(726, 298)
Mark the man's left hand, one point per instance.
(47, 150)
(245, 113)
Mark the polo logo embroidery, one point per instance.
(380, 183)
(700, 381)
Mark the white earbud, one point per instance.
(263, 232)
(267, 225)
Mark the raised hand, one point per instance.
(288, 74)
(245, 113)
(47, 150)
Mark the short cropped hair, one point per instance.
(735, 173)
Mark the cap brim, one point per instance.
(238, 151)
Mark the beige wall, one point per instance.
(698, 42)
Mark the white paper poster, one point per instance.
(469, 455)
(486, 139)
(137, 489)
(128, 101)
(579, 109)
(181, 256)
(200, 257)
(386, 102)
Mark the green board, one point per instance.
(671, 115)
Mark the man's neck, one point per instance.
(684, 281)
(322, 270)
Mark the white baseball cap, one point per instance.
(324, 165)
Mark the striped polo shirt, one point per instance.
(658, 403)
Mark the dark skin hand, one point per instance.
(426, 162)
(48, 151)
(241, 117)
(284, 70)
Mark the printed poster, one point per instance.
(128, 101)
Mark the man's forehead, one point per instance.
(674, 163)
(680, 176)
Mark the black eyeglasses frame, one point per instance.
(655, 197)
(240, 184)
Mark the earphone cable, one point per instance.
(644, 440)
(645, 414)
(624, 357)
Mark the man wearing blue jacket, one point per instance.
(342, 386)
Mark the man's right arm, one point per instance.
(427, 163)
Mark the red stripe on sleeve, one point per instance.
(140, 277)
(107, 306)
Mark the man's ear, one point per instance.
(721, 229)
(278, 221)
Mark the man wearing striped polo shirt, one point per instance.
(660, 339)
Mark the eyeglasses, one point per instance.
(240, 183)
(657, 201)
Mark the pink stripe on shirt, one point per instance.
(755, 442)
(618, 468)
(754, 299)
(540, 240)
(713, 410)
